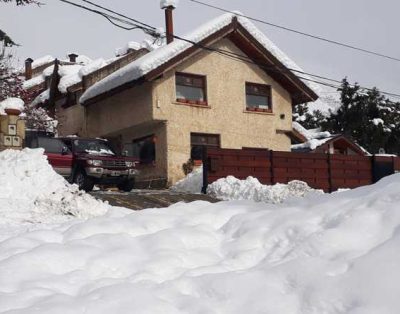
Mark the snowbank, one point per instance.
(31, 192)
(331, 254)
(230, 188)
(192, 183)
(11, 103)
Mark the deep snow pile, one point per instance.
(31, 192)
(331, 254)
(230, 188)
(192, 183)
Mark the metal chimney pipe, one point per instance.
(169, 24)
(28, 69)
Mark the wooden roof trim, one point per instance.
(281, 68)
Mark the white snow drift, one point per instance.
(31, 192)
(192, 183)
(231, 188)
(331, 254)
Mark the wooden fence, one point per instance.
(320, 171)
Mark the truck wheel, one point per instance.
(83, 181)
(127, 185)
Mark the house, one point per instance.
(315, 141)
(161, 105)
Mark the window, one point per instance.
(50, 145)
(143, 149)
(191, 89)
(258, 97)
(198, 140)
(92, 147)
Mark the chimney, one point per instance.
(169, 6)
(28, 69)
(72, 57)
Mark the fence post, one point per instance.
(373, 165)
(271, 161)
(330, 173)
(393, 165)
(205, 169)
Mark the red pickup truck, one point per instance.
(87, 162)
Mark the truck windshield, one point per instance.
(93, 147)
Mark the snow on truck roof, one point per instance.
(156, 58)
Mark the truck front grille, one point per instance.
(114, 164)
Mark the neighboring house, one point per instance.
(163, 105)
(315, 141)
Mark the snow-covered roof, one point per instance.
(11, 103)
(311, 133)
(42, 61)
(311, 144)
(70, 74)
(132, 45)
(315, 137)
(160, 56)
(41, 98)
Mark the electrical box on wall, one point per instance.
(12, 131)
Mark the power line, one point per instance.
(111, 19)
(119, 14)
(300, 32)
(151, 30)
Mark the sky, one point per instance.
(57, 29)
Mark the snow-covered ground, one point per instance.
(323, 253)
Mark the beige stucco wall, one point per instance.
(121, 111)
(71, 121)
(226, 116)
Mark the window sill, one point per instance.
(265, 112)
(192, 104)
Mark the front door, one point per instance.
(199, 140)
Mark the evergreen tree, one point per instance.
(302, 115)
(367, 117)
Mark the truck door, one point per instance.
(58, 155)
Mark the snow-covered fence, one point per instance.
(319, 171)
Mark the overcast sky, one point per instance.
(58, 29)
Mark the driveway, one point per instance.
(141, 199)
